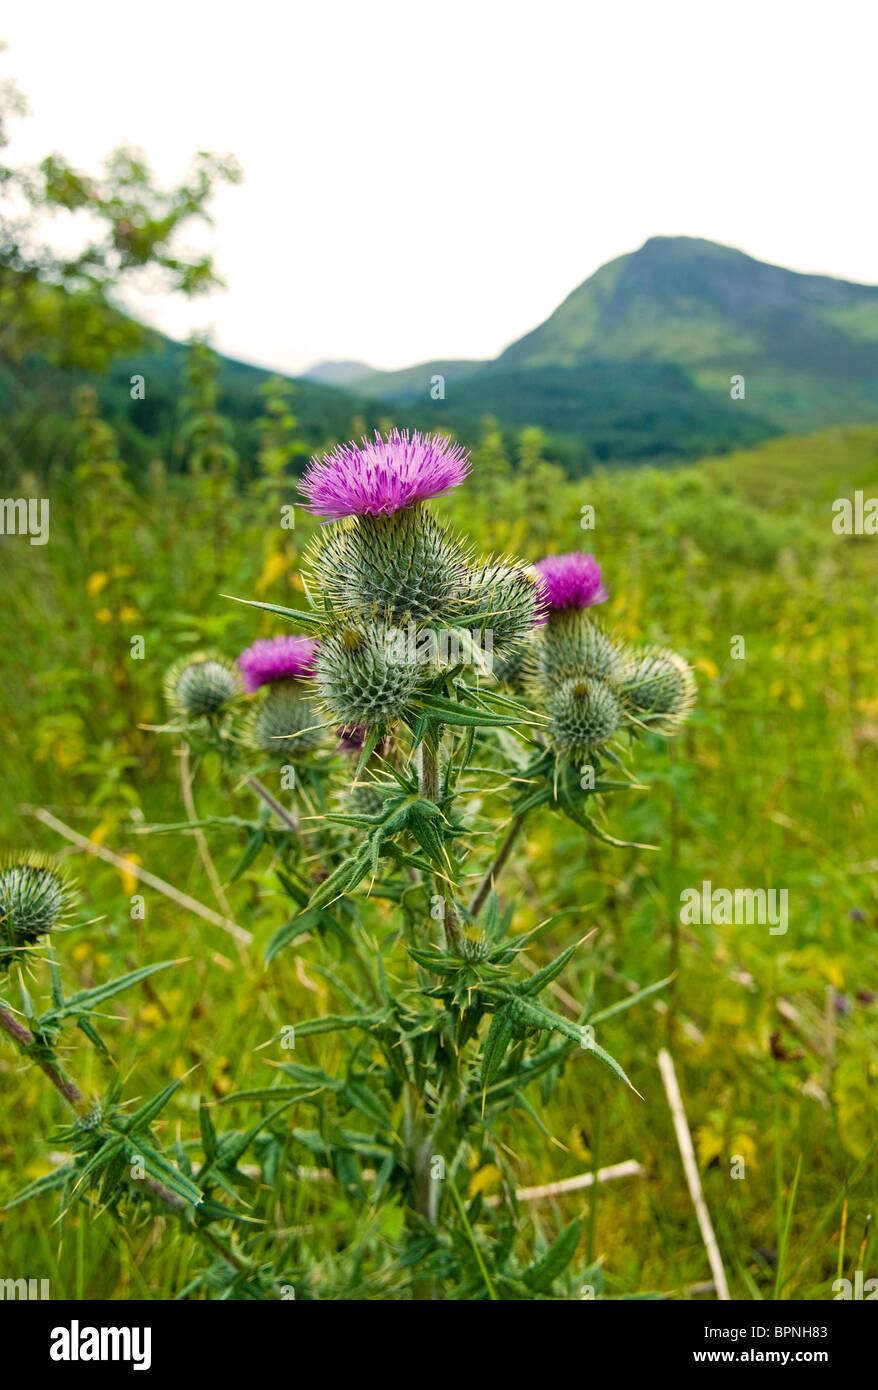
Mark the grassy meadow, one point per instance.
(772, 784)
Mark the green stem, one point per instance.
(280, 811)
(492, 1292)
(429, 785)
(595, 1186)
(27, 1045)
(496, 868)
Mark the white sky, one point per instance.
(431, 179)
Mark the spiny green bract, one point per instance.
(401, 566)
(201, 685)
(571, 644)
(34, 896)
(285, 721)
(584, 713)
(365, 675)
(660, 687)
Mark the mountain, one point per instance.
(638, 361)
(695, 302)
(338, 373)
(809, 343)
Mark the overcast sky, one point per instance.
(431, 179)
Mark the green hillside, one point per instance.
(594, 412)
(322, 412)
(681, 299)
(35, 407)
(409, 383)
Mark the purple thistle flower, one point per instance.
(277, 659)
(381, 476)
(570, 581)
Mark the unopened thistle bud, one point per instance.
(570, 644)
(502, 598)
(365, 800)
(286, 721)
(513, 669)
(585, 713)
(660, 688)
(34, 898)
(363, 676)
(473, 945)
(201, 685)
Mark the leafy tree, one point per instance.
(127, 226)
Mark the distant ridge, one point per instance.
(338, 373)
(635, 365)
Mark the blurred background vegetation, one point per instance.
(163, 503)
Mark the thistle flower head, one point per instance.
(285, 722)
(201, 685)
(276, 659)
(659, 688)
(585, 713)
(381, 476)
(571, 581)
(34, 898)
(364, 676)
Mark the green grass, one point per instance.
(773, 784)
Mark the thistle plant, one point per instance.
(418, 672)
(659, 688)
(403, 614)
